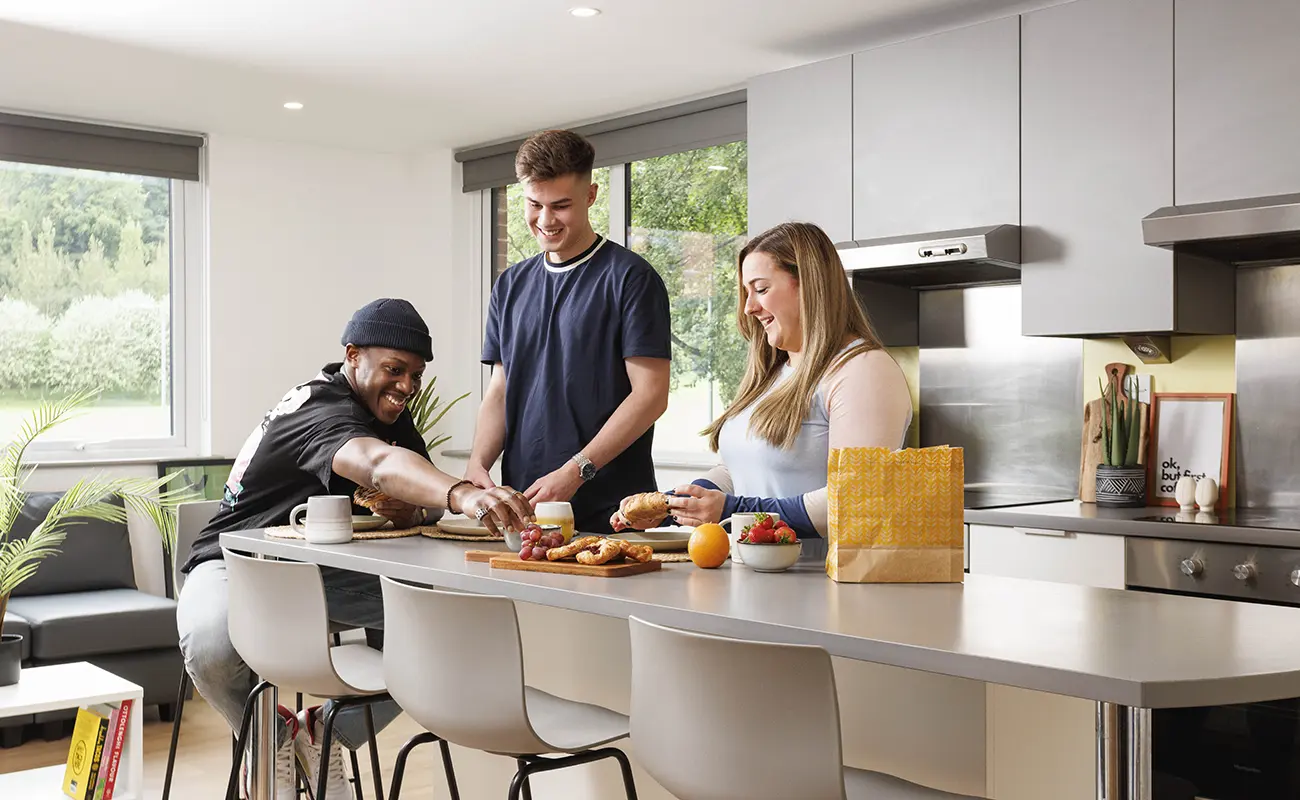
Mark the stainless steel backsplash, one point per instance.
(1014, 403)
(1268, 386)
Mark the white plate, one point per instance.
(368, 522)
(670, 532)
(657, 543)
(462, 525)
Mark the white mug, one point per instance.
(736, 525)
(329, 519)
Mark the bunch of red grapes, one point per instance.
(536, 542)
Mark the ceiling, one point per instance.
(404, 74)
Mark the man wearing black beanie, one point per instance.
(346, 428)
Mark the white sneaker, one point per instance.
(307, 747)
(286, 784)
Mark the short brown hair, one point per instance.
(550, 154)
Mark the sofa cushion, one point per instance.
(16, 624)
(76, 624)
(94, 554)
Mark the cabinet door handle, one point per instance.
(1041, 532)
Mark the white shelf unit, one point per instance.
(71, 686)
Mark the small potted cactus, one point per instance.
(1121, 481)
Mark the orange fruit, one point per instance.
(709, 545)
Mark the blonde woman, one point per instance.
(817, 378)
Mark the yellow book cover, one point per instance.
(87, 736)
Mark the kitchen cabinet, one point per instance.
(1237, 109)
(1028, 762)
(800, 140)
(936, 139)
(1097, 122)
(1086, 559)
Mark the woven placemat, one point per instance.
(285, 532)
(672, 558)
(434, 532)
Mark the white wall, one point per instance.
(301, 236)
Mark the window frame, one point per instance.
(620, 218)
(190, 400)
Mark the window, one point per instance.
(93, 296)
(515, 242)
(688, 218)
(687, 215)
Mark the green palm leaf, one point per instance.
(88, 499)
(423, 407)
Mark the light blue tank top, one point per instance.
(759, 469)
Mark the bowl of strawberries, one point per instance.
(769, 545)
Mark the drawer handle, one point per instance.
(1041, 532)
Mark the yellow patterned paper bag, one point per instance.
(895, 516)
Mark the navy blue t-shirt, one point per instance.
(562, 332)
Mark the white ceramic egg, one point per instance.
(1185, 493)
(1207, 493)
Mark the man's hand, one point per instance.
(403, 515)
(694, 505)
(479, 476)
(504, 508)
(558, 486)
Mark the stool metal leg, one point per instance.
(176, 732)
(241, 742)
(374, 754)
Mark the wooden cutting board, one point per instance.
(500, 560)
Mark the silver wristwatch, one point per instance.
(585, 468)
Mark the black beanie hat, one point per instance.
(392, 323)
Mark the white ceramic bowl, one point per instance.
(515, 543)
(668, 533)
(769, 557)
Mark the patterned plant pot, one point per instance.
(1121, 487)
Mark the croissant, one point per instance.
(644, 510)
(368, 498)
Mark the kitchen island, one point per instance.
(1126, 651)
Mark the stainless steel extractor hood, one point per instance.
(1259, 231)
(942, 260)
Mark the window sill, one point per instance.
(73, 459)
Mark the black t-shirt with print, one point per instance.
(289, 457)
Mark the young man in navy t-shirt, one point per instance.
(579, 342)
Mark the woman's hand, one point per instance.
(499, 508)
(694, 505)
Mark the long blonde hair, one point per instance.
(829, 315)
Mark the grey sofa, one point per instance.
(83, 605)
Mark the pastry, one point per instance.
(637, 552)
(604, 551)
(572, 548)
(368, 498)
(644, 510)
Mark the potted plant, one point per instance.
(424, 410)
(87, 499)
(1121, 481)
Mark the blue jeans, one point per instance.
(221, 676)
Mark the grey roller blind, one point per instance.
(686, 126)
(60, 143)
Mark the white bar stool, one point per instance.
(717, 719)
(455, 664)
(280, 627)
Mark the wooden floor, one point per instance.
(203, 757)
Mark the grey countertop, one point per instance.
(1079, 517)
(1132, 648)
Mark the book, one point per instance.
(86, 751)
(113, 752)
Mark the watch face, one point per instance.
(588, 471)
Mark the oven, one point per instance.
(1239, 752)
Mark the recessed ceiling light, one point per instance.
(718, 168)
(584, 11)
(293, 105)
